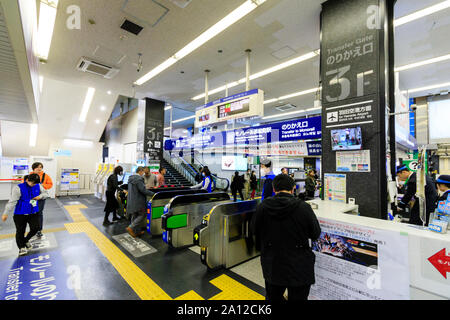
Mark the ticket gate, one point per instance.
(224, 235)
(183, 213)
(156, 207)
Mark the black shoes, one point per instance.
(107, 223)
(39, 234)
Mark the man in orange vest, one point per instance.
(47, 183)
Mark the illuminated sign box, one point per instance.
(241, 105)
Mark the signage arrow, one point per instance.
(196, 236)
(441, 262)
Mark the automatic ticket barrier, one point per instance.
(224, 235)
(183, 213)
(158, 202)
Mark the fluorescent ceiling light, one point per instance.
(109, 92)
(167, 108)
(292, 95)
(78, 143)
(41, 83)
(423, 63)
(33, 134)
(263, 73)
(103, 108)
(47, 17)
(284, 114)
(169, 128)
(87, 104)
(437, 86)
(422, 13)
(183, 119)
(247, 7)
(97, 121)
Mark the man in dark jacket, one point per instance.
(137, 202)
(267, 177)
(410, 178)
(282, 226)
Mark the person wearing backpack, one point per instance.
(47, 183)
(24, 205)
(237, 184)
(282, 226)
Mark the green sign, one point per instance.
(413, 163)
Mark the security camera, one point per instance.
(414, 108)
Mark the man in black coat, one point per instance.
(431, 195)
(282, 226)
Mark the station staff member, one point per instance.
(410, 178)
(207, 183)
(24, 205)
(47, 183)
(443, 184)
(268, 176)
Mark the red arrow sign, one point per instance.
(441, 262)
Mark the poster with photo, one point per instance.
(355, 262)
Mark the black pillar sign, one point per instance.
(150, 130)
(154, 129)
(353, 63)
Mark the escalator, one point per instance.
(220, 184)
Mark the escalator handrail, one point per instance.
(195, 198)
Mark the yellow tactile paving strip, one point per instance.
(145, 287)
(191, 295)
(233, 290)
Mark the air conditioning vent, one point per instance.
(286, 107)
(131, 27)
(87, 65)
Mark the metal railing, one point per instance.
(176, 163)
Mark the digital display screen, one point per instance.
(234, 108)
(234, 163)
(346, 139)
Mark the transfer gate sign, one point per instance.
(354, 262)
(35, 277)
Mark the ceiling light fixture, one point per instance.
(169, 128)
(263, 73)
(437, 86)
(167, 108)
(423, 63)
(109, 92)
(33, 134)
(47, 17)
(97, 121)
(292, 95)
(422, 13)
(183, 119)
(284, 114)
(247, 7)
(87, 104)
(103, 108)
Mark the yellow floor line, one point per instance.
(191, 295)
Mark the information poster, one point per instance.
(355, 262)
(336, 187)
(70, 179)
(353, 161)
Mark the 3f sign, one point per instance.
(74, 20)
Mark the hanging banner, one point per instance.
(355, 262)
(301, 129)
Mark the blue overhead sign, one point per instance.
(300, 129)
(314, 148)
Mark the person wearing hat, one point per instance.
(268, 176)
(443, 184)
(410, 179)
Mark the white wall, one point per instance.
(122, 144)
(84, 159)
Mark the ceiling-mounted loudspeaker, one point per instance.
(87, 65)
(131, 27)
